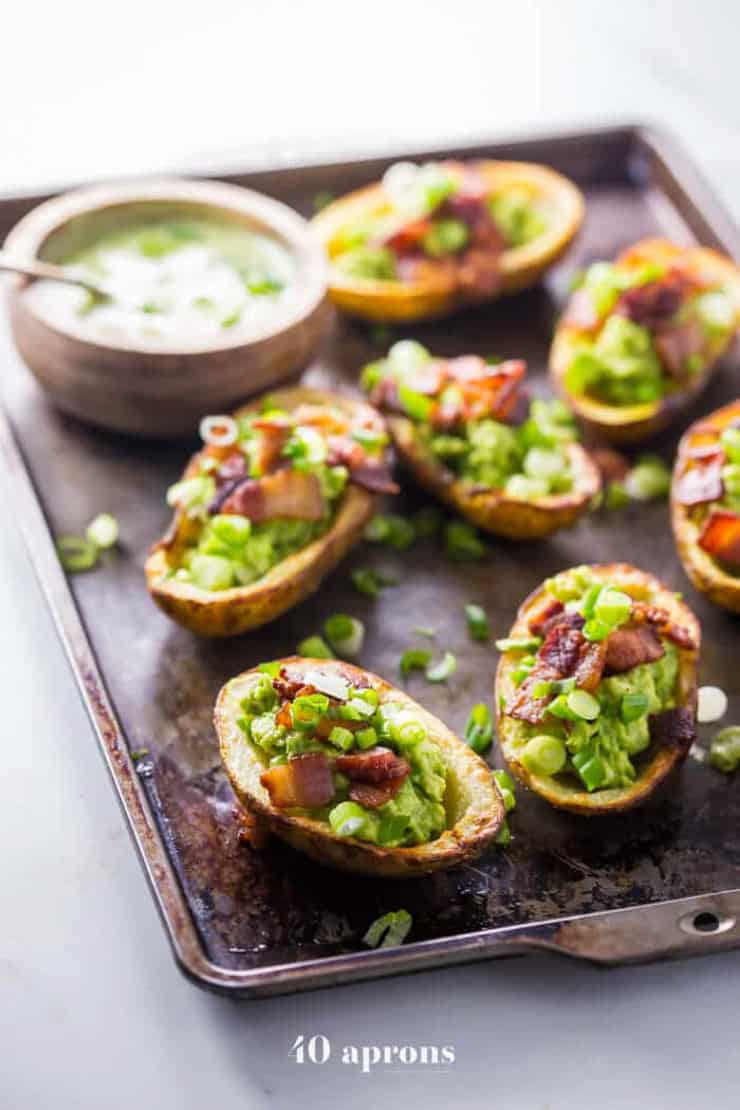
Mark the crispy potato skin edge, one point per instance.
(231, 612)
(472, 832)
(492, 510)
(521, 267)
(708, 577)
(664, 760)
(634, 423)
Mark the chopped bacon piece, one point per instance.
(271, 439)
(479, 271)
(643, 613)
(566, 653)
(284, 717)
(287, 493)
(581, 311)
(374, 477)
(720, 536)
(305, 781)
(629, 647)
(676, 345)
(408, 238)
(673, 728)
(613, 466)
(541, 622)
(287, 684)
(702, 483)
(655, 302)
(343, 451)
(235, 466)
(374, 765)
(371, 795)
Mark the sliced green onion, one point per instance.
(391, 529)
(366, 738)
(308, 710)
(426, 630)
(441, 671)
(505, 785)
(416, 405)
(596, 630)
(414, 659)
(616, 496)
(341, 738)
(462, 542)
(649, 479)
(724, 752)
(504, 835)
(345, 634)
(544, 755)
(273, 668)
(479, 728)
(591, 769)
(519, 643)
(477, 620)
(103, 531)
(632, 707)
(613, 607)
(389, 930)
(314, 647)
(76, 553)
(366, 581)
(583, 704)
(347, 818)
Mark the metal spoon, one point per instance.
(35, 268)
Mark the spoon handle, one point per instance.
(35, 268)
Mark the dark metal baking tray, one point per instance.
(661, 881)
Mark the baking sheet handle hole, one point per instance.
(707, 923)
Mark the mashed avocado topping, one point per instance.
(335, 753)
(590, 720)
(433, 213)
(645, 330)
(265, 486)
(465, 412)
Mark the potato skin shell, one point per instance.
(231, 612)
(627, 424)
(492, 510)
(569, 797)
(708, 577)
(481, 807)
(521, 267)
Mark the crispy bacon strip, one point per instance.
(305, 781)
(643, 613)
(655, 302)
(631, 646)
(372, 795)
(677, 344)
(565, 653)
(702, 483)
(287, 493)
(720, 536)
(374, 765)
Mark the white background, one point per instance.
(92, 1010)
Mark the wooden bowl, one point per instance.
(163, 392)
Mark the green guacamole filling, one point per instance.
(418, 193)
(229, 550)
(619, 364)
(592, 737)
(352, 720)
(526, 460)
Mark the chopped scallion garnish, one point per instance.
(415, 659)
(441, 671)
(314, 647)
(389, 930)
(477, 620)
(479, 728)
(345, 634)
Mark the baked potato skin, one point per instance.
(706, 574)
(231, 612)
(567, 796)
(472, 794)
(627, 424)
(435, 296)
(492, 510)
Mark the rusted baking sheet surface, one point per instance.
(249, 921)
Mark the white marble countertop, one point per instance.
(93, 1010)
